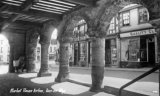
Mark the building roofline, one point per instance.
(129, 8)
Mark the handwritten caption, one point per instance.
(35, 90)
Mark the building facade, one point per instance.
(4, 51)
(80, 46)
(131, 41)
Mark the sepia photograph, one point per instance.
(79, 47)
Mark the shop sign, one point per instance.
(138, 33)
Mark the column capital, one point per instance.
(46, 32)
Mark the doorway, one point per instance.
(107, 53)
(151, 53)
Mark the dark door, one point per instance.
(75, 56)
(107, 53)
(151, 53)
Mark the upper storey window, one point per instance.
(113, 28)
(143, 15)
(80, 29)
(125, 18)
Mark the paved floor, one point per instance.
(28, 84)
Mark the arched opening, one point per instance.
(80, 47)
(54, 49)
(38, 54)
(131, 41)
(4, 54)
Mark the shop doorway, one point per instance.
(75, 57)
(151, 53)
(107, 53)
(76, 54)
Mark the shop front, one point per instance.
(138, 49)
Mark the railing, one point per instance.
(138, 78)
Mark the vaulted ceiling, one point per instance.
(23, 14)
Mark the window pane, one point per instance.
(126, 19)
(143, 15)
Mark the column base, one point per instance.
(44, 74)
(95, 89)
(97, 78)
(63, 74)
(61, 79)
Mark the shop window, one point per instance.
(130, 49)
(143, 15)
(113, 51)
(134, 50)
(125, 19)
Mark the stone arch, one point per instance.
(71, 20)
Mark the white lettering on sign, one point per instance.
(138, 33)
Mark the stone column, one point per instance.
(11, 57)
(98, 63)
(44, 60)
(63, 61)
(158, 45)
(31, 45)
(45, 38)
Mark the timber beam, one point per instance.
(83, 2)
(34, 13)
(25, 6)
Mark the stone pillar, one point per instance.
(98, 63)
(63, 61)
(45, 38)
(44, 60)
(31, 45)
(158, 45)
(11, 57)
